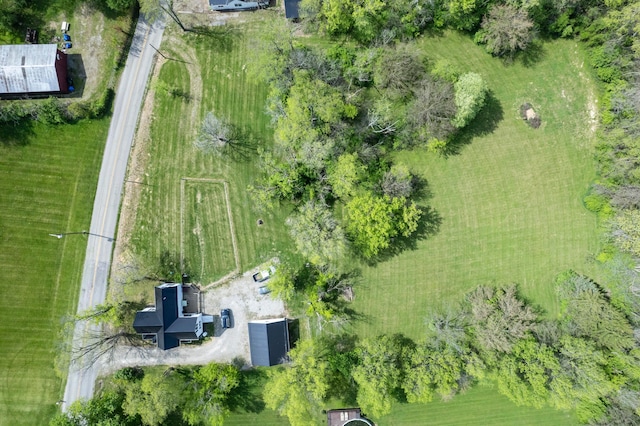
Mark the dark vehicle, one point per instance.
(225, 317)
(264, 290)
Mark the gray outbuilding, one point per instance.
(269, 341)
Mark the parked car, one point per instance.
(264, 275)
(264, 290)
(225, 317)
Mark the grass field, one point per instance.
(510, 200)
(207, 238)
(47, 185)
(218, 83)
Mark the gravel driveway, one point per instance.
(241, 296)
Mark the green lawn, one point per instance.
(219, 82)
(510, 201)
(47, 185)
(207, 239)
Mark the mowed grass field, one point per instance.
(47, 185)
(510, 201)
(207, 239)
(216, 81)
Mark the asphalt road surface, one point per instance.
(128, 101)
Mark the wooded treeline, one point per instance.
(588, 360)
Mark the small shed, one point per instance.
(269, 341)
(347, 417)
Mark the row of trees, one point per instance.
(180, 396)
(587, 361)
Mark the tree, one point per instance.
(345, 175)
(398, 182)
(625, 230)
(153, 398)
(433, 370)
(583, 381)
(210, 386)
(499, 318)
(470, 95)
(317, 234)
(433, 110)
(372, 222)
(104, 409)
(296, 390)
(153, 9)
(587, 313)
(397, 71)
(120, 5)
(379, 373)
(506, 30)
(215, 136)
(524, 375)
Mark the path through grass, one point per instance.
(47, 186)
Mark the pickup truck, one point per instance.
(264, 275)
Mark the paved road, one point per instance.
(82, 375)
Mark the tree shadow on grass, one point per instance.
(217, 38)
(247, 397)
(483, 124)
(244, 146)
(18, 134)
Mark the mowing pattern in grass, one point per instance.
(207, 238)
(227, 90)
(479, 406)
(46, 186)
(510, 201)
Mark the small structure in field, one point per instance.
(32, 70)
(291, 9)
(529, 115)
(347, 417)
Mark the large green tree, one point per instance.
(206, 400)
(297, 389)
(379, 373)
(506, 30)
(372, 222)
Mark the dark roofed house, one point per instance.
(291, 9)
(167, 322)
(32, 70)
(269, 341)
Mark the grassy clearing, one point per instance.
(219, 82)
(207, 238)
(47, 185)
(510, 201)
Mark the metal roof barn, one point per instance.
(32, 69)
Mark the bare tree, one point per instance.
(398, 182)
(506, 30)
(215, 136)
(433, 109)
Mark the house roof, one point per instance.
(291, 9)
(269, 341)
(166, 321)
(31, 68)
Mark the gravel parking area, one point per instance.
(242, 297)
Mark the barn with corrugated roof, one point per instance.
(32, 70)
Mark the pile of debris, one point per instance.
(529, 115)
